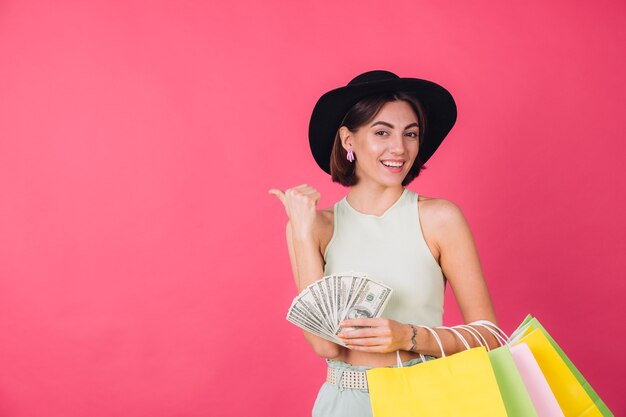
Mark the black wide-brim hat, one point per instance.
(330, 110)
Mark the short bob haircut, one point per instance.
(364, 111)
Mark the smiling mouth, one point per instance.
(392, 164)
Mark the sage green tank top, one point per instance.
(390, 248)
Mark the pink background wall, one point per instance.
(143, 266)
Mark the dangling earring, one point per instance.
(350, 155)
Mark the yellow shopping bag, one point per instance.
(462, 384)
(568, 391)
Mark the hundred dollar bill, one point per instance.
(353, 283)
(300, 319)
(321, 334)
(346, 288)
(319, 293)
(330, 293)
(369, 301)
(315, 296)
(306, 309)
(344, 283)
(307, 325)
(295, 314)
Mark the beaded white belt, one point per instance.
(349, 379)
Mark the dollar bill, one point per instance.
(300, 319)
(323, 304)
(313, 300)
(370, 300)
(307, 306)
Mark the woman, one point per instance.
(374, 135)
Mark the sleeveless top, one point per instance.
(390, 248)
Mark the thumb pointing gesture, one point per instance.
(300, 204)
(279, 194)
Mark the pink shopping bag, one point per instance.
(541, 395)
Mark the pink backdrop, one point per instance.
(143, 266)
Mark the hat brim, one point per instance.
(439, 108)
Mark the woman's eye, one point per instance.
(413, 134)
(381, 133)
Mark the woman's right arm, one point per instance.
(303, 242)
(306, 265)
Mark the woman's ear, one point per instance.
(346, 137)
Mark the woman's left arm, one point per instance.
(460, 264)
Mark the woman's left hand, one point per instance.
(377, 335)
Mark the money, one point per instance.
(325, 303)
(369, 301)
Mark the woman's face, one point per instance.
(386, 147)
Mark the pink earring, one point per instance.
(350, 155)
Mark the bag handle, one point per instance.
(472, 331)
(437, 339)
(502, 341)
(490, 327)
(487, 322)
(459, 335)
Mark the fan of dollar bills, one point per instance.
(321, 306)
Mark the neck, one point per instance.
(374, 200)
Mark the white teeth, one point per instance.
(392, 164)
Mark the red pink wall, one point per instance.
(143, 266)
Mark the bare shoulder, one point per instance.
(439, 219)
(439, 211)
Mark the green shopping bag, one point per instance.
(514, 393)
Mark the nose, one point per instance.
(396, 144)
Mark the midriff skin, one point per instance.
(355, 357)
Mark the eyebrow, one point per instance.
(392, 126)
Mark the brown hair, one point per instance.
(342, 170)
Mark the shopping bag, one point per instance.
(462, 384)
(538, 388)
(516, 397)
(575, 396)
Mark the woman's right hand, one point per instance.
(301, 206)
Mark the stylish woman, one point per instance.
(374, 136)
